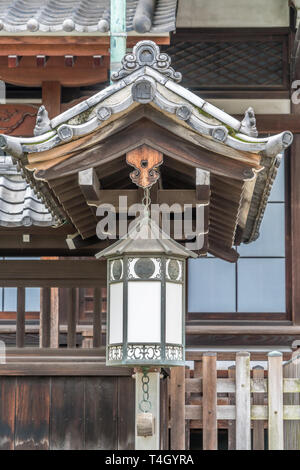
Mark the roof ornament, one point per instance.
(42, 124)
(249, 122)
(146, 53)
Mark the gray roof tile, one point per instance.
(19, 205)
(38, 16)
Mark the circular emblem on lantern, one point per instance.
(117, 269)
(144, 268)
(173, 269)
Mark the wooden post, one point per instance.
(275, 400)
(292, 427)
(231, 422)
(72, 302)
(258, 425)
(150, 442)
(210, 434)
(20, 333)
(178, 408)
(97, 318)
(45, 312)
(51, 97)
(243, 410)
(54, 318)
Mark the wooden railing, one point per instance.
(55, 278)
(241, 400)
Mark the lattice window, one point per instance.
(230, 64)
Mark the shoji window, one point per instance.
(256, 283)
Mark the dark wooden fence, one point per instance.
(51, 400)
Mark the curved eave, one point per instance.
(193, 112)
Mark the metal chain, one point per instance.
(145, 404)
(146, 201)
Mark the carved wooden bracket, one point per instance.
(145, 160)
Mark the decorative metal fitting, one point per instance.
(103, 113)
(219, 133)
(143, 90)
(184, 112)
(65, 132)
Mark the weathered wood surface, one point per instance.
(39, 413)
(243, 412)
(177, 384)
(231, 422)
(52, 273)
(258, 399)
(291, 427)
(210, 437)
(275, 401)
(20, 333)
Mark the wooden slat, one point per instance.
(275, 401)
(210, 437)
(67, 413)
(54, 318)
(101, 402)
(7, 412)
(243, 421)
(32, 413)
(20, 334)
(258, 399)
(178, 408)
(72, 318)
(97, 318)
(231, 422)
(45, 320)
(126, 413)
(291, 385)
(291, 428)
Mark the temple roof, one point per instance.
(147, 105)
(81, 16)
(19, 203)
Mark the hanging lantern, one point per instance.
(146, 297)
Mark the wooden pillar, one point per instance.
(258, 424)
(231, 422)
(51, 97)
(45, 313)
(97, 318)
(54, 318)
(243, 410)
(210, 433)
(178, 408)
(72, 303)
(294, 254)
(275, 400)
(20, 334)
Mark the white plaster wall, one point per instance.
(232, 13)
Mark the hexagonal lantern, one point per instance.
(146, 297)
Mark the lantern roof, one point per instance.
(145, 236)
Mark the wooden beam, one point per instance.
(62, 45)
(55, 273)
(51, 97)
(280, 329)
(89, 184)
(32, 73)
(164, 196)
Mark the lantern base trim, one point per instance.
(144, 354)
